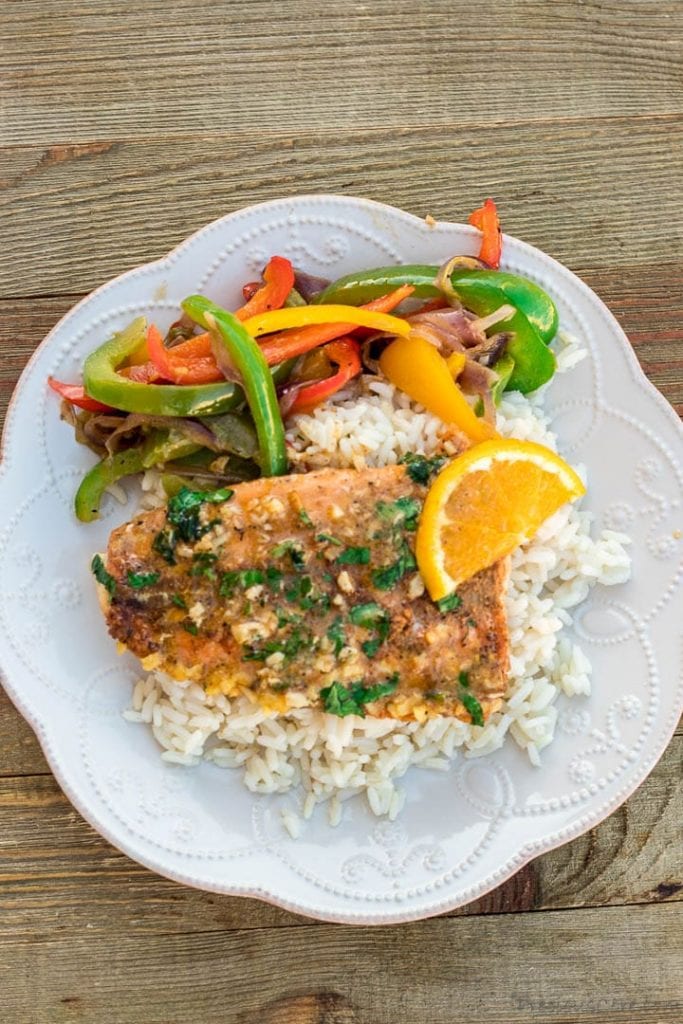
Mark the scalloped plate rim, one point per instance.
(513, 864)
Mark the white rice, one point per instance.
(330, 758)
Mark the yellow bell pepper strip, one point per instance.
(289, 344)
(455, 364)
(102, 382)
(486, 219)
(302, 316)
(257, 381)
(419, 369)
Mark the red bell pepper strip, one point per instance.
(286, 344)
(279, 281)
(75, 393)
(158, 353)
(345, 352)
(485, 218)
(191, 362)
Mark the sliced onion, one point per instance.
(288, 394)
(491, 349)
(502, 313)
(372, 348)
(475, 379)
(308, 285)
(443, 277)
(223, 361)
(191, 429)
(179, 331)
(453, 325)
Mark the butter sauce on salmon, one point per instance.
(303, 591)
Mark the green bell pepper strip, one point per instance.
(160, 446)
(490, 288)
(257, 380)
(102, 382)
(482, 291)
(503, 367)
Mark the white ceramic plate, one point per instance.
(461, 833)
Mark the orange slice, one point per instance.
(484, 504)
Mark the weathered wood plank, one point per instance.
(56, 871)
(80, 71)
(501, 970)
(21, 753)
(100, 209)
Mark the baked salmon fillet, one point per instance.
(303, 591)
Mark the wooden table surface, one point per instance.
(124, 126)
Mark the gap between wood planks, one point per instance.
(51, 859)
(94, 211)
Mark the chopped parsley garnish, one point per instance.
(203, 564)
(464, 680)
(420, 468)
(353, 556)
(184, 508)
(449, 603)
(244, 578)
(474, 707)
(102, 576)
(139, 580)
(305, 518)
(164, 545)
(299, 588)
(179, 601)
(371, 616)
(327, 538)
(342, 700)
(290, 646)
(402, 512)
(471, 623)
(295, 552)
(336, 636)
(273, 578)
(191, 628)
(388, 576)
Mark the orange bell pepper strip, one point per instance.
(279, 281)
(486, 219)
(286, 344)
(345, 352)
(418, 368)
(158, 353)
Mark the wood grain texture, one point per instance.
(81, 71)
(56, 874)
(569, 188)
(478, 970)
(126, 126)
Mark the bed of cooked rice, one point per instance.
(331, 759)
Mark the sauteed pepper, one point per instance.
(102, 382)
(257, 380)
(482, 291)
(345, 353)
(161, 446)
